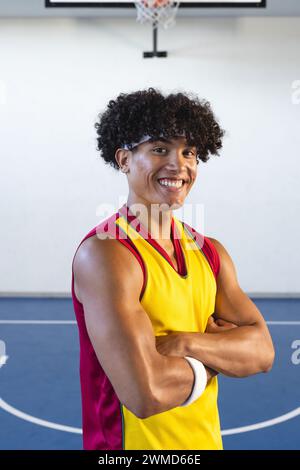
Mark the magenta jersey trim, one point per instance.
(207, 247)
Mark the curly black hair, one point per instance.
(147, 112)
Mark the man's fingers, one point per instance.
(224, 323)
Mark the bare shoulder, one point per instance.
(227, 274)
(106, 260)
(222, 252)
(219, 247)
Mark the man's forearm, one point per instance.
(237, 352)
(173, 383)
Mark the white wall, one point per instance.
(57, 74)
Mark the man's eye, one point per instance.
(191, 153)
(162, 150)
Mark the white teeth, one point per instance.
(174, 184)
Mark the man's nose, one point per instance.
(177, 159)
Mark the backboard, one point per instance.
(183, 4)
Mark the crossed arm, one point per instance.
(237, 342)
(149, 374)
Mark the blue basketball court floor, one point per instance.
(40, 404)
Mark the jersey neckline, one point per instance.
(137, 225)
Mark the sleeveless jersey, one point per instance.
(175, 300)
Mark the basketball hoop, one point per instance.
(161, 12)
(157, 12)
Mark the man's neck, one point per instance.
(157, 223)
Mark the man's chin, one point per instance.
(166, 207)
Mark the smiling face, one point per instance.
(159, 172)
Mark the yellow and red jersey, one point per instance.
(179, 299)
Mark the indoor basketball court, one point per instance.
(61, 64)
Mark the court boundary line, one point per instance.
(226, 432)
(60, 427)
(41, 422)
(263, 424)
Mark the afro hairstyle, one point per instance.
(147, 112)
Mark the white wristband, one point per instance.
(200, 380)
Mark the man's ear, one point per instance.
(122, 159)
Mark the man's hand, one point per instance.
(216, 326)
(171, 344)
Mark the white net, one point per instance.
(157, 12)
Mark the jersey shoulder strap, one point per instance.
(206, 246)
(109, 227)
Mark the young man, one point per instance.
(158, 305)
